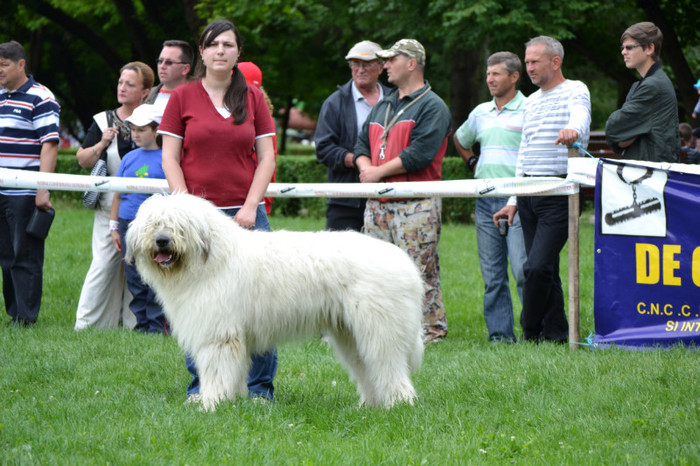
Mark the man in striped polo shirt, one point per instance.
(556, 115)
(28, 141)
(496, 125)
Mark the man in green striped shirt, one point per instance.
(496, 125)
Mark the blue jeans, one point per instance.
(144, 305)
(264, 366)
(494, 251)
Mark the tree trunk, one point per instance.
(466, 78)
(194, 22)
(673, 52)
(285, 124)
(146, 50)
(79, 30)
(34, 53)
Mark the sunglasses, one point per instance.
(630, 47)
(364, 64)
(160, 61)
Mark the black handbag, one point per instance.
(40, 223)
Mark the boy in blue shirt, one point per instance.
(143, 162)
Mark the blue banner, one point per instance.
(647, 256)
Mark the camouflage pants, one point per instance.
(414, 226)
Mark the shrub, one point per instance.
(306, 169)
(302, 169)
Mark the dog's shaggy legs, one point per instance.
(346, 350)
(395, 386)
(223, 369)
(390, 370)
(382, 375)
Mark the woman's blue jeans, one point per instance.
(264, 366)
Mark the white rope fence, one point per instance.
(581, 171)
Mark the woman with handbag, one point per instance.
(104, 298)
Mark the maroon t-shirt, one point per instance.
(217, 156)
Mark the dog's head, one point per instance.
(169, 232)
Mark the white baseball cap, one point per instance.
(145, 114)
(365, 50)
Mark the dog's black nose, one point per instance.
(162, 241)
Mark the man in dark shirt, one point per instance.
(646, 127)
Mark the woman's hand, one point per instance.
(108, 135)
(116, 240)
(246, 216)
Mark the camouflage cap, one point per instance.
(409, 47)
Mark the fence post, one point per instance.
(574, 297)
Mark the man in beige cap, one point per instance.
(339, 122)
(404, 139)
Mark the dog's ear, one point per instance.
(204, 239)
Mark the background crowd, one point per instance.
(367, 132)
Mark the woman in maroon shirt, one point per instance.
(210, 128)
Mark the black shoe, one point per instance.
(20, 323)
(559, 341)
(532, 337)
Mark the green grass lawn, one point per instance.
(116, 397)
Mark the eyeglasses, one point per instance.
(160, 61)
(363, 64)
(629, 48)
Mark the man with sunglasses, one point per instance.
(339, 123)
(646, 127)
(174, 64)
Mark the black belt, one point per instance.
(538, 176)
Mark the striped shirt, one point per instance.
(498, 134)
(567, 106)
(28, 119)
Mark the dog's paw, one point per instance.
(209, 404)
(260, 400)
(406, 397)
(194, 398)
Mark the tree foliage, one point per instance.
(76, 48)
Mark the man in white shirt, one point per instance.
(556, 116)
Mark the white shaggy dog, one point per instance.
(229, 293)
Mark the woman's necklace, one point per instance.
(124, 132)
